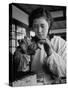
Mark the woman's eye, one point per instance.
(35, 26)
(42, 26)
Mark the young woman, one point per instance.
(51, 58)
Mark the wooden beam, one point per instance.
(14, 21)
(52, 8)
(58, 31)
(59, 18)
(22, 9)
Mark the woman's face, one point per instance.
(40, 26)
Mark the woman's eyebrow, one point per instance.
(43, 24)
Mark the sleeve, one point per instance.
(57, 60)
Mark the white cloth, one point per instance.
(56, 62)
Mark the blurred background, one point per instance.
(18, 21)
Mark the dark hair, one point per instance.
(40, 12)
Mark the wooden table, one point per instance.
(33, 80)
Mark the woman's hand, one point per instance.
(47, 46)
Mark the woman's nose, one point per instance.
(39, 29)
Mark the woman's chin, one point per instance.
(42, 38)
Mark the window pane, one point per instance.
(20, 36)
(12, 50)
(12, 35)
(13, 27)
(12, 43)
(21, 32)
(18, 29)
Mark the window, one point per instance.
(16, 31)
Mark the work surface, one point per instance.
(36, 79)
